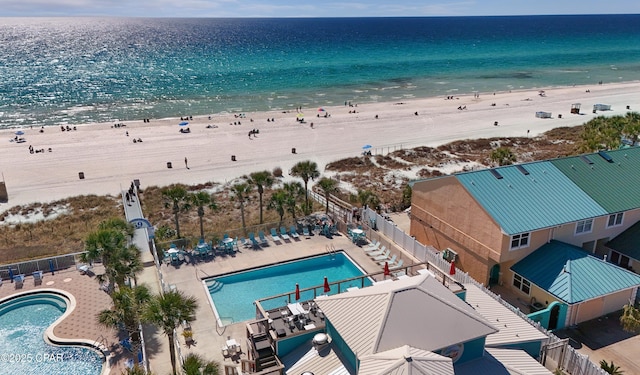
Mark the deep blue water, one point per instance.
(78, 70)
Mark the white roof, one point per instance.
(511, 327)
(502, 362)
(306, 358)
(405, 360)
(418, 311)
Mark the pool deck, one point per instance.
(209, 339)
(82, 322)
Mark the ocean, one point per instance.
(86, 70)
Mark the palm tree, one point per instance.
(632, 127)
(294, 192)
(128, 304)
(201, 200)
(177, 198)
(278, 203)
(261, 180)
(328, 187)
(136, 370)
(610, 368)
(167, 311)
(502, 156)
(240, 192)
(630, 318)
(306, 170)
(109, 245)
(366, 198)
(196, 365)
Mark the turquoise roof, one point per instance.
(613, 184)
(573, 275)
(522, 203)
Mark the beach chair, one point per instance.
(263, 239)
(377, 252)
(254, 242)
(244, 242)
(274, 235)
(373, 245)
(305, 231)
(391, 261)
(18, 280)
(294, 233)
(371, 249)
(383, 256)
(37, 278)
(397, 265)
(284, 234)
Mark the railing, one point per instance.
(571, 361)
(51, 264)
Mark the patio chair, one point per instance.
(284, 234)
(384, 256)
(37, 278)
(263, 239)
(390, 262)
(274, 235)
(397, 265)
(305, 231)
(18, 280)
(254, 243)
(244, 242)
(293, 232)
(378, 252)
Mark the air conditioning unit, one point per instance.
(449, 255)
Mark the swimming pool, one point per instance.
(23, 350)
(233, 295)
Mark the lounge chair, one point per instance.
(377, 252)
(397, 265)
(384, 256)
(293, 232)
(263, 239)
(284, 234)
(373, 245)
(372, 249)
(244, 242)
(305, 231)
(390, 262)
(37, 278)
(274, 235)
(254, 242)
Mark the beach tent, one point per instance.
(541, 114)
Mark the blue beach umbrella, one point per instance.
(19, 132)
(183, 123)
(366, 147)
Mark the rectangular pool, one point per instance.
(233, 295)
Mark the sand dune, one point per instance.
(110, 160)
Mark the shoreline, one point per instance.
(110, 160)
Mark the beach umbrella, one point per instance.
(452, 269)
(327, 287)
(366, 147)
(321, 109)
(300, 115)
(297, 291)
(386, 269)
(183, 123)
(19, 132)
(172, 250)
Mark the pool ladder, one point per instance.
(101, 344)
(331, 249)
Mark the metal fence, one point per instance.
(52, 264)
(556, 353)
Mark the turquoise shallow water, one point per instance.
(233, 295)
(23, 349)
(82, 70)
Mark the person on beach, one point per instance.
(186, 163)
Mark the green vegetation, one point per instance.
(610, 368)
(503, 156)
(630, 318)
(176, 197)
(306, 170)
(606, 133)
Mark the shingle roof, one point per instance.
(627, 242)
(519, 202)
(417, 311)
(614, 185)
(571, 274)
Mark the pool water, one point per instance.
(22, 347)
(234, 295)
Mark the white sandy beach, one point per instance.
(110, 160)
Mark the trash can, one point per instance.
(233, 158)
(559, 115)
(169, 165)
(81, 175)
(495, 123)
(293, 150)
(628, 107)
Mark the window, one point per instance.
(519, 241)
(619, 259)
(521, 283)
(615, 220)
(584, 226)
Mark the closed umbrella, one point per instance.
(327, 287)
(51, 266)
(297, 291)
(452, 269)
(386, 269)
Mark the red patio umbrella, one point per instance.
(297, 291)
(327, 288)
(386, 269)
(452, 269)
